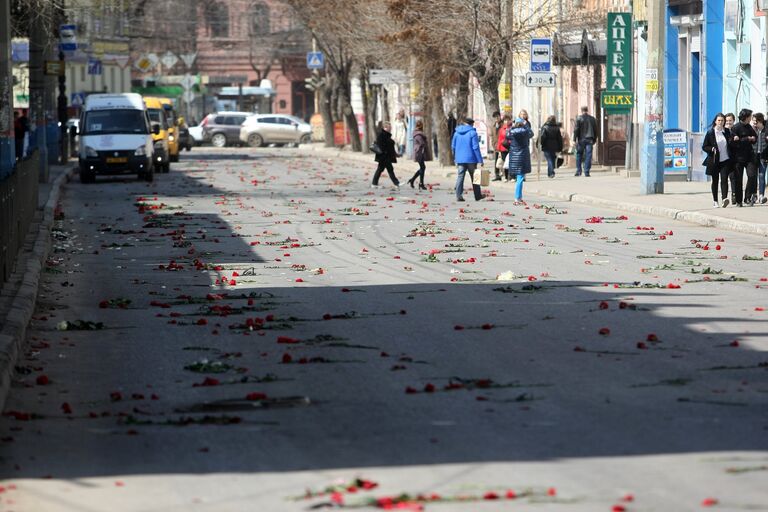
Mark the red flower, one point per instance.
(287, 340)
(628, 498)
(578, 349)
(458, 327)
(104, 304)
(208, 381)
(299, 280)
(652, 337)
(618, 508)
(43, 380)
(115, 396)
(673, 286)
(202, 321)
(551, 491)
(490, 496)
(255, 396)
(734, 343)
(410, 391)
(623, 305)
(429, 388)
(604, 331)
(287, 358)
(486, 327)
(641, 345)
(603, 305)
(511, 495)
(66, 408)
(709, 502)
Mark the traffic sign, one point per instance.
(539, 79)
(541, 54)
(68, 38)
(188, 96)
(315, 60)
(169, 59)
(387, 76)
(94, 67)
(187, 81)
(188, 58)
(78, 99)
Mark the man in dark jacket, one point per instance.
(387, 157)
(551, 141)
(585, 135)
(741, 151)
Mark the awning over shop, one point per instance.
(581, 53)
(170, 91)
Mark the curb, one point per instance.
(14, 327)
(692, 217)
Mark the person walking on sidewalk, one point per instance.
(501, 149)
(551, 142)
(386, 157)
(585, 135)
(519, 137)
(718, 162)
(400, 132)
(419, 154)
(759, 154)
(741, 152)
(466, 152)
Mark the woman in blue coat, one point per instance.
(519, 136)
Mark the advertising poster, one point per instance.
(675, 151)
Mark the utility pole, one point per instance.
(61, 100)
(37, 120)
(652, 147)
(7, 141)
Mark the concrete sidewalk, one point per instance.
(685, 201)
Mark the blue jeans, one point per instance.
(550, 156)
(761, 178)
(461, 170)
(519, 187)
(586, 155)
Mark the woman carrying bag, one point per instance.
(519, 137)
(718, 161)
(551, 142)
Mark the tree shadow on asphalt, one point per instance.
(393, 374)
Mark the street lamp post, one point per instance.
(61, 100)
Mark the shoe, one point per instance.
(550, 175)
(460, 199)
(586, 175)
(375, 186)
(763, 200)
(739, 205)
(715, 204)
(410, 182)
(496, 179)
(577, 174)
(397, 187)
(726, 202)
(422, 187)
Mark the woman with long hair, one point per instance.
(718, 161)
(419, 154)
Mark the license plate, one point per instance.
(117, 160)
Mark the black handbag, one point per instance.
(375, 148)
(559, 162)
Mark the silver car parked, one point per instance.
(261, 129)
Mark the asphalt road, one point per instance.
(260, 324)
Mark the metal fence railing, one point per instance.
(18, 203)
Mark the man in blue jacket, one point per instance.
(466, 151)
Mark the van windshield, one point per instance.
(157, 116)
(114, 121)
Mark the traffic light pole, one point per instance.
(652, 153)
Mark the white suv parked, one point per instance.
(261, 129)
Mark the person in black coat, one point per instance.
(718, 162)
(741, 152)
(387, 157)
(551, 142)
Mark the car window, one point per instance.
(219, 120)
(283, 120)
(270, 120)
(238, 120)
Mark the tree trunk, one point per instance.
(384, 104)
(443, 135)
(327, 112)
(368, 108)
(462, 96)
(428, 129)
(490, 88)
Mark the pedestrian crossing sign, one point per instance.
(315, 60)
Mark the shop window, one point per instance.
(282, 104)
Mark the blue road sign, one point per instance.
(541, 54)
(94, 67)
(68, 38)
(315, 60)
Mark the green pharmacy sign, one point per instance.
(619, 60)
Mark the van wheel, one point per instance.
(255, 140)
(219, 140)
(87, 176)
(305, 139)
